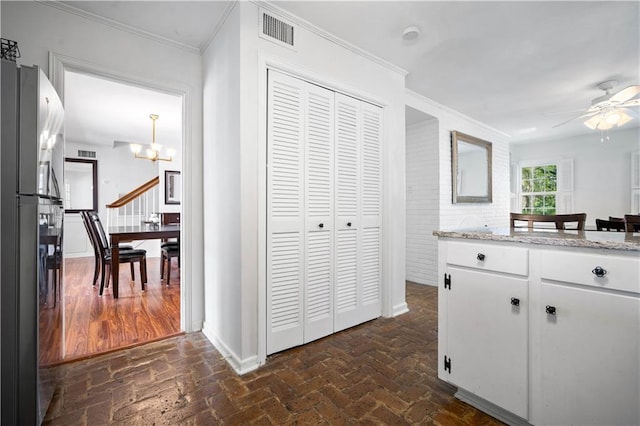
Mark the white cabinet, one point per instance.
(589, 345)
(487, 324)
(569, 354)
(323, 212)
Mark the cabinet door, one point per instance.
(285, 212)
(590, 355)
(487, 339)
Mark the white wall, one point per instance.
(456, 216)
(320, 60)
(602, 180)
(40, 29)
(221, 104)
(422, 201)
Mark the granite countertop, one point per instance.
(587, 239)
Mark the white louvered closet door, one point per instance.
(285, 212)
(370, 222)
(347, 196)
(318, 307)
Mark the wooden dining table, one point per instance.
(120, 234)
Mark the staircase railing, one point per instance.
(135, 206)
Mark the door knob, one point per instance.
(551, 310)
(515, 301)
(481, 257)
(598, 271)
(321, 225)
(348, 223)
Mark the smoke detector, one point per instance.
(411, 33)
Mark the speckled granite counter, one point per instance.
(552, 237)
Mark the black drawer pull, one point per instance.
(348, 223)
(551, 310)
(321, 225)
(481, 257)
(599, 271)
(515, 301)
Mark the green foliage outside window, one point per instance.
(539, 186)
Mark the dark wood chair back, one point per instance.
(609, 225)
(559, 220)
(632, 222)
(99, 235)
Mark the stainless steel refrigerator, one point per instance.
(31, 209)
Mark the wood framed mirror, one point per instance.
(81, 185)
(471, 173)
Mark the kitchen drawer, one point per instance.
(622, 273)
(498, 258)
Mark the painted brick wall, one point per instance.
(422, 183)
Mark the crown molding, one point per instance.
(225, 15)
(118, 25)
(327, 36)
(410, 94)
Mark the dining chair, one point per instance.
(609, 225)
(84, 215)
(126, 256)
(53, 263)
(168, 252)
(632, 222)
(558, 219)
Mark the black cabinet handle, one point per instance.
(551, 310)
(481, 257)
(598, 271)
(321, 225)
(515, 301)
(348, 223)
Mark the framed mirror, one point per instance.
(80, 185)
(172, 187)
(470, 169)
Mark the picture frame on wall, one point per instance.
(172, 187)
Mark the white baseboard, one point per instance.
(240, 366)
(491, 409)
(400, 309)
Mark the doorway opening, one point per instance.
(104, 117)
(423, 196)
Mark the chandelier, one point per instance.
(153, 152)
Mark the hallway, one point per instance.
(381, 372)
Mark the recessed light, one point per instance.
(411, 33)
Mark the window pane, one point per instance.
(526, 202)
(538, 185)
(551, 184)
(538, 201)
(526, 185)
(550, 201)
(526, 173)
(538, 172)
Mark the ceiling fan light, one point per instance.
(603, 125)
(135, 148)
(612, 117)
(593, 122)
(624, 119)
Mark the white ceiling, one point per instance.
(99, 111)
(517, 66)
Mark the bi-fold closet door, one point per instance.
(323, 212)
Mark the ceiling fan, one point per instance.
(610, 110)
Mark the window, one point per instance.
(538, 189)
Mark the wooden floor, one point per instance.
(95, 324)
(383, 372)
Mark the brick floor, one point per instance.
(381, 372)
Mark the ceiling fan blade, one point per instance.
(589, 114)
(625, 94)
(631, 103)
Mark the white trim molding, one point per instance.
(240, 366)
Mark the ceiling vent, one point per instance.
(276, 29)
(86, 154)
